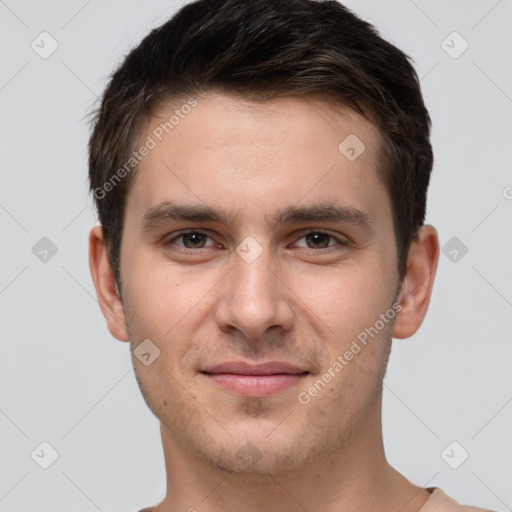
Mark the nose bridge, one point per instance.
(253, 282)
(253, 299)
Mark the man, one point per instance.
(260, 170)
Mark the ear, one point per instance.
(108, 296)
(417, 285)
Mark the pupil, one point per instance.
(319, 239)
(193, 240)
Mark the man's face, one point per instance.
(258, 285)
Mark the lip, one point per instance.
(255, 380)
(243, 368)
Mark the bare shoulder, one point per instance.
(440, 502)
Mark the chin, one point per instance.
(256, 454)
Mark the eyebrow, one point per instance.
(323, 212)
(168, 211)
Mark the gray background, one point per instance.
(66, 381)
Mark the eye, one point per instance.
(320, 240)
(190, 240)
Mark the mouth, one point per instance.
(255, 381)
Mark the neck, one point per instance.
(354, 477)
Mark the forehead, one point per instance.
(244, 156)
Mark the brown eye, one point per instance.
(193, 240)
(317, 240)
(190, 242)
(321, 242)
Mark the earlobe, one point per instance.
(107, 291)
(417, 286)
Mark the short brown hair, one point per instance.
(260, 50)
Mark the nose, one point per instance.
(255, 298)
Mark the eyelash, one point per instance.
(327, 250)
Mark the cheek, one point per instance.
(346, 299)
(166, 393)
(160, 296)
(359, 339)
(168, 308)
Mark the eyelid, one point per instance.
(340, 239)
(177, 235)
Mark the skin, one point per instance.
(303, 300)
